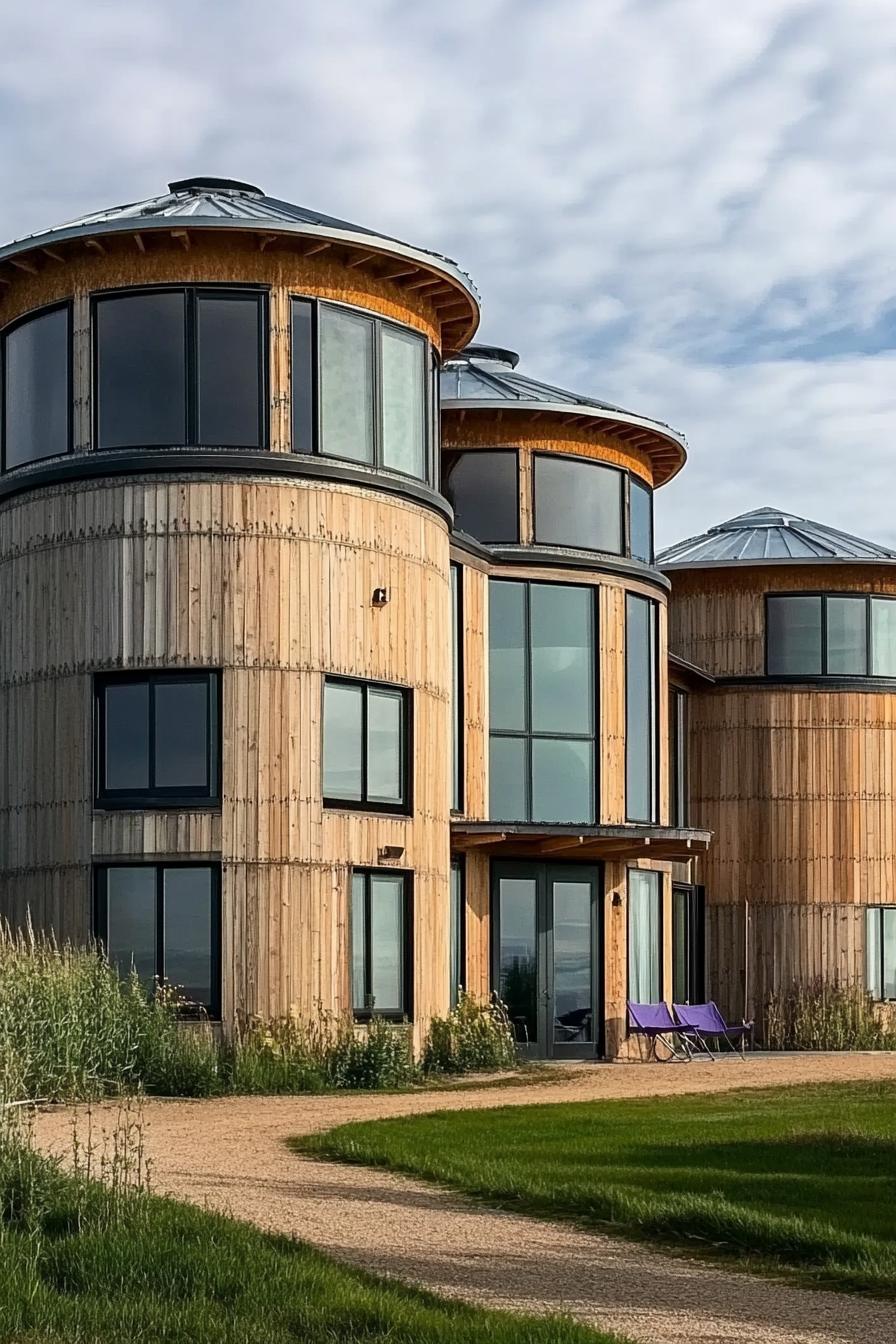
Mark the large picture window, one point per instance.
(37, 387)
(578, 503)
(542, 709)
(163, 922)
(830, 635)
(157, 739)
(880, 951)
(483, 489)
(641, 737)
(366, 745)
(181, 367)
(381, 943)
(645, 936)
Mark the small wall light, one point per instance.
(617, 898)
(380, 597)
(390, 853)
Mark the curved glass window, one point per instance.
(483, 489)
(542, 691)
(830, 635)
(640, 524)
(37, 388)
(181, 367)
(641, 736)
(578, 503)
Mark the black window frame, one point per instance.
(152, 798)
(694, 897)
(33, 314)
(458, 865)
(458, 755)
(624, 539)
(405, 808)
(638, 483)
(191, 361)
(878, 911)
(430, 394)
(450, 461)
(212, 1011)
(527, 735)
(653, 820)
(823, 595)
(406, 1012)
(679, 758)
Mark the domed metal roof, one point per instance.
(484, 377)
(769, 536)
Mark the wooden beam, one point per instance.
(182, 237)
(53, 254)
(559, 843)
(266, 239)
(361, 260)
(315, 248)
(138, 239)
(24, 265)
(427, 283)
(402, 270)
(95, 245)
(474, 841)
(454, 306)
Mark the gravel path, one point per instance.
(229, 1154)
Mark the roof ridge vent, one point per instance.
(193, 185)
(490, 354)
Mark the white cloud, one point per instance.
(667, 203)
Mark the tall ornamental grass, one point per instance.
(471, 1039)
(819, 1015)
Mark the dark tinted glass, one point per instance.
(883, 637)
(127, 736)
(483, 490)
(508, 771)
(641, 522)
(343, 744)
(141, 370)
(231, 364)
(794, 636)
(37, 388)
(188, 932)
(678, 756)
(847, 636)
(577, 504)
(181, 736)
(130, 933)
(562, 659)
(640, 708)
(518, 955)
(507, 656)
(572, 944)
(385, 746)
(562, 780)
(302, 377)
(456, 937)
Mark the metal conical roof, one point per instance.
(770, 536)
(485, 377)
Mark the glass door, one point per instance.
(546, 964)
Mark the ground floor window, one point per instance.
(162, 921)
(880, 951)
(456, 941)
(381, 943)
(688, 944)
(645, 940)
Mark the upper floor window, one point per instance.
(163, 921)
(37, 387)
(157, 739)
(641, 736)
(180, 367)
(830, 635)
(640, 512)
(880, 951)
(361, 389)
(366, 746)
(578, 503)
(542, 710)
(483, 489)
(381, 944)
(678, 756)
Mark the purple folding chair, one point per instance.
(655, 1023)
(707, 1024)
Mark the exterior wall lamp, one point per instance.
(390, 853)
(380, 597)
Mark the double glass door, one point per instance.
(546, 963)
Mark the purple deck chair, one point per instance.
(706, 1024)
(656, 1024)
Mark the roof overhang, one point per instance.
(775, 562)
(689, 673)
(585, 842)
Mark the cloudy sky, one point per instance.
(683, 206)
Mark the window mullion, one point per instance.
(364, 747)
(191, 366)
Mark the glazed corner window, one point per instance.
(578, 503)
(678, 756)
(374, 391)
(37, 387)
(457, 940)
(157, 740)
(645, 941)
(162, 922)
(380, 927)
(830, 635)
(542, 711)
(181, 367)
(366, 746)
(640, 512)
(641, 737)
(483, 489)
(880, 951)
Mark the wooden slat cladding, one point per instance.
(270, 581)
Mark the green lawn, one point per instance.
(800, 1179)
(75, 1268)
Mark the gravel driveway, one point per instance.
(230, 1154)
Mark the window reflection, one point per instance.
(641, 739)
(645, 984)
(36, 361)
(364, 745)
(830, 635)
(483, 489)
(577, 503)
(379, 943)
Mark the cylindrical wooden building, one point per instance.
(562, 824)
(225, 601)
(792, 751)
